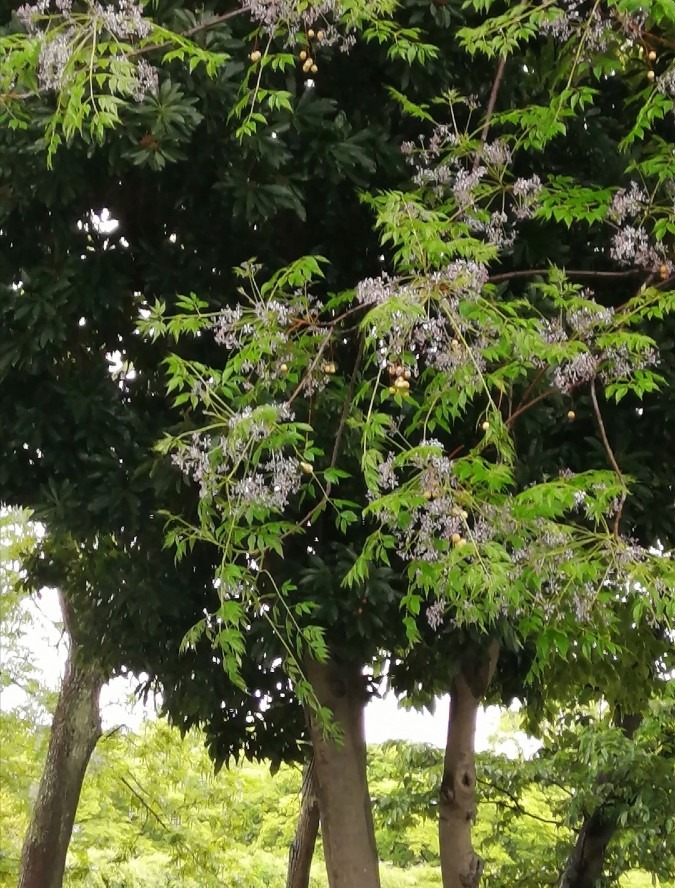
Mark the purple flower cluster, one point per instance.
(631, 246)
(123, 21)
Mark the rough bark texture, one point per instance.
(302, 850)
(75, 730)
(587, 860)
(461, 867)
(342, 786)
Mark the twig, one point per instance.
(345, 411)
(202, 26)
(147, 807)
(309, 372)
(492, 101)
(516, 806)
(532, 272)
(610, 456)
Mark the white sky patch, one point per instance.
(384, 719)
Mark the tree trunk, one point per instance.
(461, 867)
(587, 860)
(302, 850)
(75, 730)
(341, 781)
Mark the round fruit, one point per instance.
(310, 33)
(283, 368)
(314, 69)
(571, 415)
(303, 55)
(401, 384)
(256, 55)
(485, 426)
(652, 56)
(456, 537)
(392, 390)
(320, 35)
(329, 368)
(307, 468)
(650, 75)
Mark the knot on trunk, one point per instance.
(470, 877)
(447, 788)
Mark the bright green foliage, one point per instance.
(152, 812)
(479, 369)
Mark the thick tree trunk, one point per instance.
(587, 860)
(341, 781)
(75, 730)
(302, 850)
(461, 867)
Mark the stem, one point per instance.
(491, 105)
(610, 455)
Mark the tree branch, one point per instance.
(580, 273)
(492, 101)
(610, 455)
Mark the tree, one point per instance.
(449, 251)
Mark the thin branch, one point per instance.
(202, 26)
(345, 411)
(492, 101)
(516, 805)
(610, 455)
(527, 406)
(147, 807)
(309, 372)
(581, 273)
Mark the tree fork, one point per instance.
(461, 867)
(301, 851)
(587, 860)
(341, 780)
(76, 728)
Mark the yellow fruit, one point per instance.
(303, 55)
(310, 33)
(571, 415)
(464, 515)
(329, 368)
(407, 374)
(663, 272)
(460, 542)
(307, 468)
(427, 495)
(283, 368)
(652, 56)
(485, 426)
(392, 390)
(456, 537)
(314, 69)
(307, 66)
(401, 384)
(455, 343)
(320, 35)
(256, 55)
(650, 75)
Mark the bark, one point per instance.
(302, 850)
(341, 781)
(461, 867)
(76, 728)
(587, 860)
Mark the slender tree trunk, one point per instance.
(75, 730)
(341, 781)
(461, 867)
(587, 860)
(302, 850)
